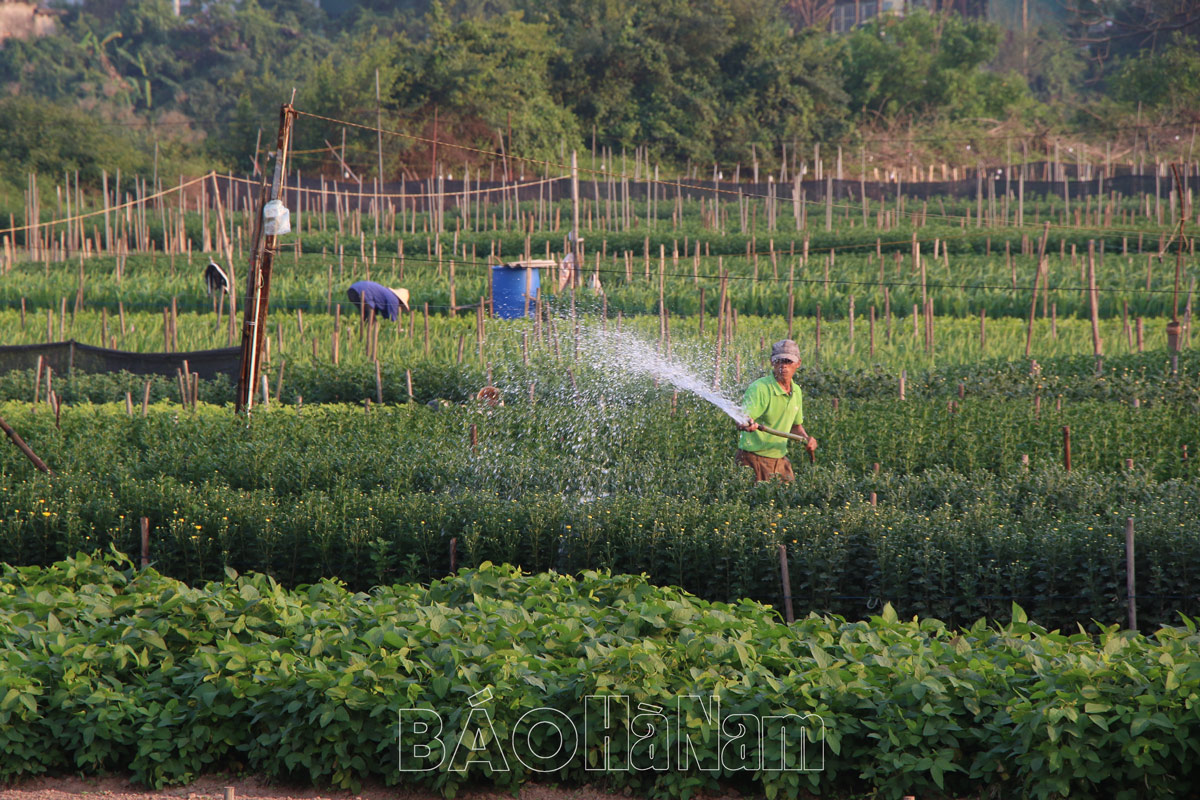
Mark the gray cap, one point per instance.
(785, 349)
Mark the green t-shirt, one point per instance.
(767, 404)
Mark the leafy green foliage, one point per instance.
(107, 667)
(927, 64)
(39, 136)
(1140, 79)
(724, 81)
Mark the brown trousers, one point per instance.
(764, 468)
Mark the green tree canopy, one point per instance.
(925, 65)
(1167, 79)
(40, 136)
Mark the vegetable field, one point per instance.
(111, 668)
(999, 419)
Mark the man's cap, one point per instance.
(402, 296)
(785, 349)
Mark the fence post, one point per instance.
(145, 525)
(1067, 447)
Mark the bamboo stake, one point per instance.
(1094, 300)
(24, 448)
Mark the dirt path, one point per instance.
(212, 788)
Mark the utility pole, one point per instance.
(258, 282)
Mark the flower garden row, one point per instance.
(960, 527)
(1142, 378)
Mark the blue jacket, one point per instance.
(372, 295)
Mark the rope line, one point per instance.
(110, 209)
(677, 183)
(402, 195)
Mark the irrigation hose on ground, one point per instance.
(812, 455)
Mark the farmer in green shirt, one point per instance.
(777, 403)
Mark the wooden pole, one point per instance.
(24, 448)
(1066, 431)
(1036, 278)
(1130, 584)
(144, 524)
(1094, 300)
(227, 250)
(259, 281)
(789, 615)
(576, 252)
(379, 151)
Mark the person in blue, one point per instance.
(386, 302)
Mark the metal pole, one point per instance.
(258, 283)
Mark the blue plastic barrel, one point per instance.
(509, 288)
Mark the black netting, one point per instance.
(62, 357)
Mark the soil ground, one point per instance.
(212, 788)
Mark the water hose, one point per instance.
(812, 456)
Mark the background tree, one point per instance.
(927, 66)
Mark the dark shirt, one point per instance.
(215, 279)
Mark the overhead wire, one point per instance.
(678, 184)
(600, 172)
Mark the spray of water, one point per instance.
(579, 360)
(624, 354)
